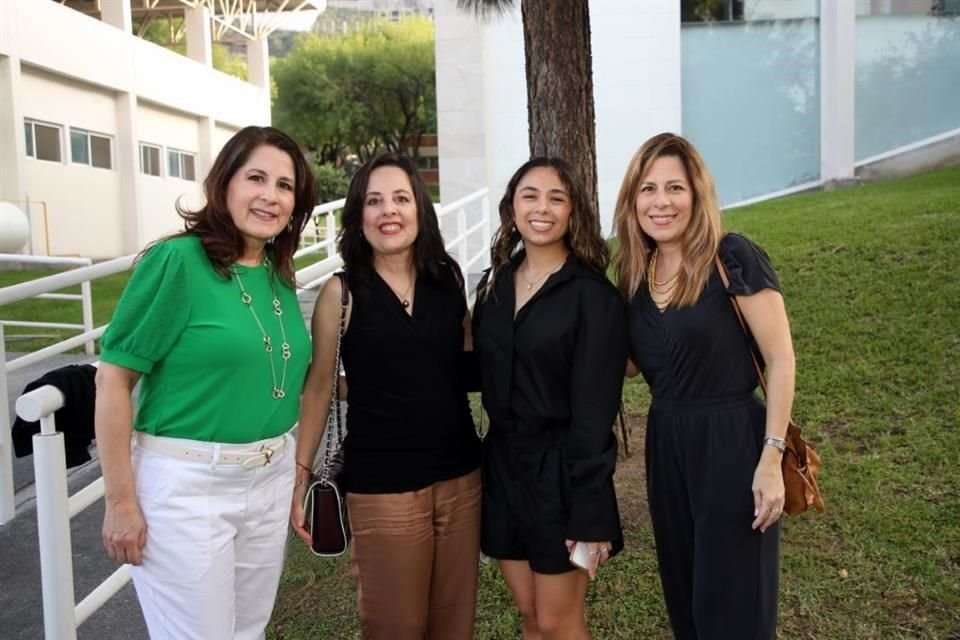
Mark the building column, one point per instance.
(838, 48)
(199, 38)
(205, 153)
(258, 71)
(13, 156)
(117, 13)
(128, 170)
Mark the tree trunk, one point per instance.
(556, 38)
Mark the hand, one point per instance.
(298, 519)
(768, 491)
(599, 550)
(124, 532)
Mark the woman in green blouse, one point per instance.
(197, 499)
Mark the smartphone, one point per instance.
(581, 557)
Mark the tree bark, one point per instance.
(556, 37)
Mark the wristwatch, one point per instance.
(777, 443)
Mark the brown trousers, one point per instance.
(415, 557)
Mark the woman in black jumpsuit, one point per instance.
(713, 449)
(550, 335)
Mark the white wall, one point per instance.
(636, 85)
(81, 201)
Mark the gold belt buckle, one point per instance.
(267, 454)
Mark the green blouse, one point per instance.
(206, 374)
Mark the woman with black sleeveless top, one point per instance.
(411, 477)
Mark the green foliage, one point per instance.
(332, 182)
(228, 63)
(362, 92)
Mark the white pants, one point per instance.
(215, 542)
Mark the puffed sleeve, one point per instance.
(748, 266)
(151, 313)
(600, 356)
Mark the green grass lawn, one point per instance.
(872, 290)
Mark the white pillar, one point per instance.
(199, 39)
(838, 48)
(206, 154)
(13, 154)
(258, 72)
(117, 13)
(128, 170)
(461, 144)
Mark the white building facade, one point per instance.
(101, 131)
(778, 95)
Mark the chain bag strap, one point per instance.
(334, 430)
(326, 504)
(801, 463)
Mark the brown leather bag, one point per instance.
(801, 464)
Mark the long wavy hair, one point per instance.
(428, 249)
(222, 241)
(700, 240)
(584, 238)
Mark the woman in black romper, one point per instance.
(550, 335)
(713, 449)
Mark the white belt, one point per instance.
(229, 454)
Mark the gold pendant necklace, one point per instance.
(551, 270)
(404, 300)
(278, 393)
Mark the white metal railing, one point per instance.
(85, 295)
(322, 227)
(23, 291)
(54, 507)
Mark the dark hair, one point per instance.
(428, 249)
(583, 238)
(222, 241)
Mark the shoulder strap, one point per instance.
(743, 325)
(334, 428)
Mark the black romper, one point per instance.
(704, 438)
(551, 382)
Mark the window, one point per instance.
(150, 159)
(43, 140)
(181, 164)
(90, 148)
(426, 163)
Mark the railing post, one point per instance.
(53, 531)
(461, 230)
(7, 504)
(331, 233)
(86, 300)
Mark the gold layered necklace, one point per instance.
(278, 393)
(660, 291)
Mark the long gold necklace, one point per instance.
(551, 270)
(278, 393)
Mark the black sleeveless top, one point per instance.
(408, 420)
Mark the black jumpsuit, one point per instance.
(704, 438)
(551, 380)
